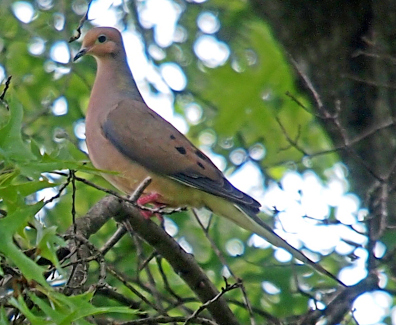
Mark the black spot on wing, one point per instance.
(200, 155)
(200, 165)
(172, 137)
(181, 150)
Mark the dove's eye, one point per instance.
(102, 39)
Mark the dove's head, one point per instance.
(101, 42)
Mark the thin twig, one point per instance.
(73, 210)
(80, 25)
(168, 288)
(294, 99)
(369, 82)
(108, 292)
(61, 189)
(118, 276)
(293, 143)
(7, 85)
(215, 298)
(160, 210)
(120, 232)
(308, 83)
(140, 189)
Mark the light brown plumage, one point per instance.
(125, 135)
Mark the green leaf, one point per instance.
(10, 225)
(11, 144)
(47, 243)
(67, 310)
(33, 319)
(3, 317)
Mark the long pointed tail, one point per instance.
(249, 220)
(253, 223)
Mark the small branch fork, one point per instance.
(227, 288)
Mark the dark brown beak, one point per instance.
(81, 53)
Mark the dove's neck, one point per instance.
(114, 79)
(113, 83)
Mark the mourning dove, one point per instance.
(124, 135)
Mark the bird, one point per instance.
(125, 136)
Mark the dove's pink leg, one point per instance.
(150, 198)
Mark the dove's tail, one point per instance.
(247, 219)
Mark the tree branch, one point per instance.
(182, 263)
